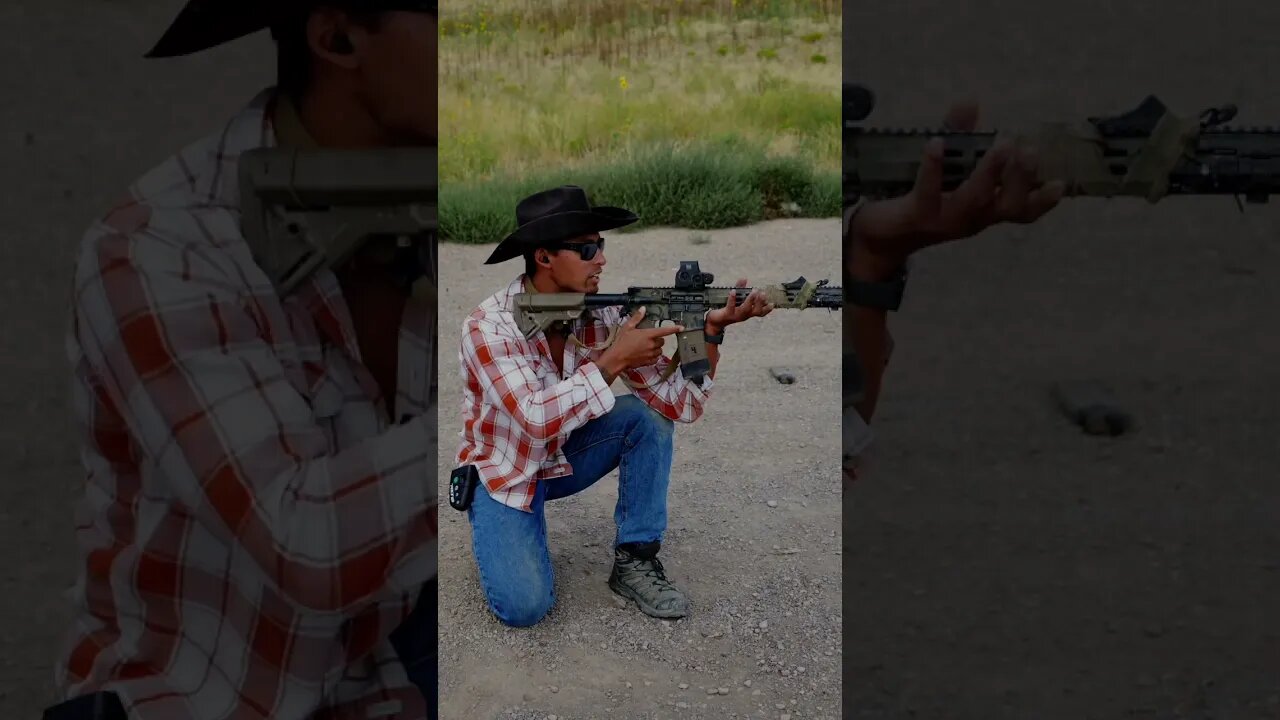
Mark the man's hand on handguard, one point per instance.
(634, 346)
(1003, 188)
(753, 306)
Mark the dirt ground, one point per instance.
(1000, 563)
(753, 538)
(83, 115)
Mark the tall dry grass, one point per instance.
(530, 87)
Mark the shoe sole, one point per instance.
(629, 594)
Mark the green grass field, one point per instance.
(694, 113)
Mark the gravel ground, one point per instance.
(1001, 563)
(753, 536)
(84, 114)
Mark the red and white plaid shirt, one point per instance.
(252, 526)
(517, 412)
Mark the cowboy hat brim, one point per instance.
(560, 226)
(202, 24)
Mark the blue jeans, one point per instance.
(415, 643)
(511, 545)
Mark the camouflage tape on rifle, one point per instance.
(1160, 155)
(1073, 153)
(777, 296)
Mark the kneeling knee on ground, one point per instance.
(523, 609)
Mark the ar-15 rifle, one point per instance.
(684, 304)
(1147, 152)
(306, 208)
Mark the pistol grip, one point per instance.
(694, 363)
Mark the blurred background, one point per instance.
(695, 113)
(1003, 563)
(83, 115)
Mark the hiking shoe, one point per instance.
(643, 580)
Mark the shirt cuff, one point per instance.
(700, 391)
(857, 434)
(600, 398)
(707, 384)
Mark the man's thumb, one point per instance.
(636, 317)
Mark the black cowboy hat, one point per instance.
(203, 24)
(557, 214)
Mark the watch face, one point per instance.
(882, 296)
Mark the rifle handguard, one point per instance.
(685, 303)
(1074, 154)
(1148, 152)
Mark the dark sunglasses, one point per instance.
(587, 250)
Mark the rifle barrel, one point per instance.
(1223, 161)
(600, 300)
(824, 297)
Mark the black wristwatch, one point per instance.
(885, 295)
(713, 339)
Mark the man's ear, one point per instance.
(332, 36)
(542, 257)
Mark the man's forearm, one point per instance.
(870, 332)
(871, 346)
(713, 350)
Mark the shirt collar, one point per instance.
(287, 122)
(250, 128)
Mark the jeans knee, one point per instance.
(644, 421)
(524, 610)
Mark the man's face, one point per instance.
(398, 74)
(571, 273)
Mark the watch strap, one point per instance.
(884, 295)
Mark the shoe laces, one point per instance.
(652, 568)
